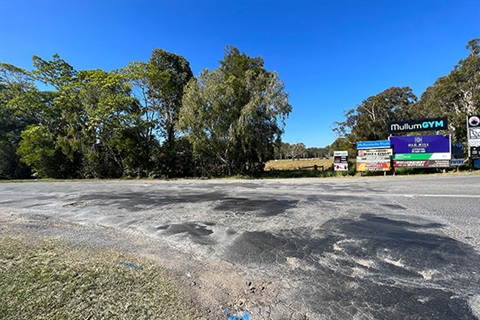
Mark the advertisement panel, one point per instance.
(473, 124)
(422, 156)
(373, 144)
(373, 166)
(475, 152)
(340, 160)
(340, 166)
(421, 144)
(434, 124)
(422, 164)
(374, 159)
(375, 153)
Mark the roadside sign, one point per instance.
(434, 124)
(373, 144)
(457, 162)
(373, 166)
(340, 160)
(422, 156)
(475, 152)
(473, 126)
(374, 159)
(422, 164)
(340, 153)
(433, 151)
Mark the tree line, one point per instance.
(455, 96)
(147, 119)
(285, 150)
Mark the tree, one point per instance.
(108, 111)
(167, 75)
(81, 124)
(294, 151)
(315, 152)
(369, 120)
(158, 87)
(234, 115)
(143, 137)
(16, 99)
(455, 95)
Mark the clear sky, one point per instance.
(331, 55)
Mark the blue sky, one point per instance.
(331, 55)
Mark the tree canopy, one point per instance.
(132, 122)
(234, 114)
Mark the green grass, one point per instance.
(52, 280)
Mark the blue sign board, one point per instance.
(421, 144)
(373, 144)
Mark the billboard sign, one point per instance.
(340, 160)
(422, 164)
(434, 124)
(473, 124)
(421, 144)
(374, 166)
(374, 159)
(373, 144)
(365, 155)
(422, 156)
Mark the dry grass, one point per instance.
(296, 164)
(51, 280)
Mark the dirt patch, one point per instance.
(213, 286)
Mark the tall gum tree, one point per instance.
(455, 95)
(234, 114)
(369, 120)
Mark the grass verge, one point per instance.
(51, 280)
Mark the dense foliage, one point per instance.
(139, 121)
(233, 115)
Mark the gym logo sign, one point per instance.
(418, 125)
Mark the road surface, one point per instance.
(336, 248)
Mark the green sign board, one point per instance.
(422, 156)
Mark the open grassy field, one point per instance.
(52, 280)
(296, 164)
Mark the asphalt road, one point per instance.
(339, 248)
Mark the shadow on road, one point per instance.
(372, 266)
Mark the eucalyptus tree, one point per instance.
(368, 121)
(234, 115)
(456, 94)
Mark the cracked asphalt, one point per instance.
(336, 248)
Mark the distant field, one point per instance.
(296, 164)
